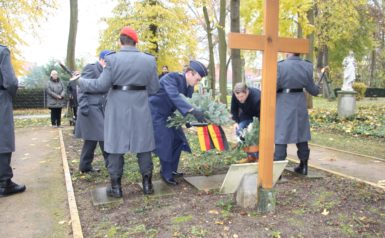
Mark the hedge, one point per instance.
(370, 92)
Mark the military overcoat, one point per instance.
(128, 123)
(90, 120)
(8, 88)
(292, 119)
(163, 104)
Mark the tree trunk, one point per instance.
(222, 52)
(154, 28)
(310, 54)
(70, 59)
(372, 67)
(211, 76)
(236, 62)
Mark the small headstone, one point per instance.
(99, 197)
(160, 188)
(206, 183)
(236, 172)
(311, 173)
(346, 103)
(246, 194)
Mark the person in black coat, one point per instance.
(164, 71)
(73, 99)
(245, 104)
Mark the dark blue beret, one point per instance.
(104, 53)
(199, 68)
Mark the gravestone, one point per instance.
(206, 183)
(99, 197)
(237, 171)
(160, 188)
(246, 194)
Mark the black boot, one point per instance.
(116, 188)
(147, 184)
(301, 168)
(9, 188)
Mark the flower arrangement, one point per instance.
(249, 136)
(214, 111)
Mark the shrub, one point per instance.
(360, 88)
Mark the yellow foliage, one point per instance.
(23, 15)
(360, 88)
(175, 41)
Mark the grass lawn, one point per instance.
(366, 145)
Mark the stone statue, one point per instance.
(349, 64)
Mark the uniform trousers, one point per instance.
(303, 151)
(169, 166)
(116, 163)
(87, 154)
(6, 172)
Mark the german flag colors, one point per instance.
(212, 136)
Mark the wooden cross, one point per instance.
(270, 44)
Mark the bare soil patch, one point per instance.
(328, 207)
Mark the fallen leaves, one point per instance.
(325, 212)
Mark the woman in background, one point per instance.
(55, 98)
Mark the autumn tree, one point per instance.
(164, 28)
(19, 17)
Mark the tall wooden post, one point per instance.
(270, 44)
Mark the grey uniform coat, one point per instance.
(292, 119)
(55, 88)
(128, 123)
(8, 88)
(90, 121)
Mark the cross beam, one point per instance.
(270, 44)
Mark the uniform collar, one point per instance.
(294, 57)
(129, 48)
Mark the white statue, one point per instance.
(349, 64)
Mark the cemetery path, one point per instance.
(42, 210)
(360, 167)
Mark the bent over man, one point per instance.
(171, 141)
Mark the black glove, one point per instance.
(188, 125)
(198, 115)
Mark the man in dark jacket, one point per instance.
(8, 88)
(292, 124)
(245, 104)
(130, 76)
(90, 122)
(171, 141)
(73, 99)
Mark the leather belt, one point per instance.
(129, 87)
(290, 90)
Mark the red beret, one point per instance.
(128, 31)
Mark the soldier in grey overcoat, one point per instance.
(90, 122)
(8, 88)
(55, 98)
(292, 124)
(131, 77)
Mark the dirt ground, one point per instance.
(327, 207)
